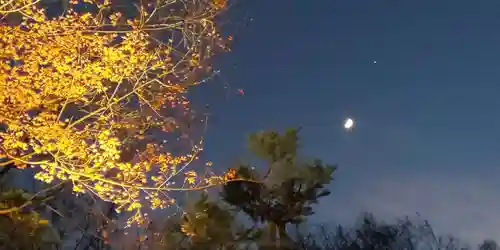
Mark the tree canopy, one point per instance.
(94, 93)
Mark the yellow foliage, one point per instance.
(80, 93)
(10, 6)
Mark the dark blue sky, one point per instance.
(428, 112)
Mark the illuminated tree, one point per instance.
(96, 96)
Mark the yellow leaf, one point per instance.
(43, 222)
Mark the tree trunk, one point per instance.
(272, 234)
(284, 240)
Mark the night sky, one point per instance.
(427, 137)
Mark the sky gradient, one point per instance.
(428, 112)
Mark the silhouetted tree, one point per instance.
(370, 234)
(285, 194)
(205, 224)
(489, 245)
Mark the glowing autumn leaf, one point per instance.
(219, 4)
(190, 177)
(231, 174)
(43, 222)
